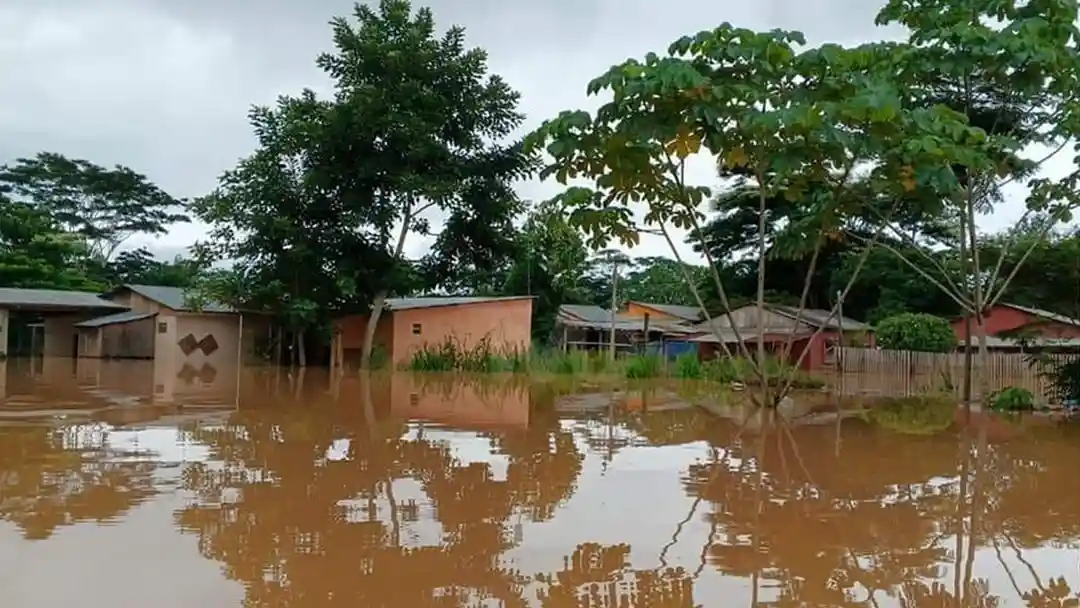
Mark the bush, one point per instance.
(916, 332)
(1012, 399)
(915, 415)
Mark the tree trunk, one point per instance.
(614, 305)
(380, 296)
(369, 331)
(978, 301)
(762, 226)
(301, 349)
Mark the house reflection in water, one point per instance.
(464, 402)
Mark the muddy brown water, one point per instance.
(126, 486)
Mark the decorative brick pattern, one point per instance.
(208, 344)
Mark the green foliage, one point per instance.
(36, 253)
(103, 206)
(915, 415)
(640, 367)
(917, 332)
(452, 355)
(688, 366)
(1012, 399)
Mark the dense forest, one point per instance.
(419, 138)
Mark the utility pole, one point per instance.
(614, 303)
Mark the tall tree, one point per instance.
(294, 247)
(1013, 69)
(793, 119)
(104, 206)
(417, 124)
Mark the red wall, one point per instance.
(1004, 318)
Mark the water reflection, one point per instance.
(405, 490)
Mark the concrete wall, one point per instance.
(505, 324)
(131, 340)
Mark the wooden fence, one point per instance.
(897, 373)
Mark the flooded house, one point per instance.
(408, 325)
(640, 327)
(1014, 328)
(781, 324)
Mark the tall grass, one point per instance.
(453, 355)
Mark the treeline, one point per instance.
(418, 139)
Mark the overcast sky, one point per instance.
(163, 86)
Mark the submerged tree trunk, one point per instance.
(380, 298)
(965, 273)
(979, 299)
(762, 227)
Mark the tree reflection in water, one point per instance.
(52, 477)
(296, 526)
(887, 515)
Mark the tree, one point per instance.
(917, 332)
(35, 253)
(293, 244)
(417, 124)
(551, 265)
(103, 206)
(139, 266)
(794, 121)
(1014, 70)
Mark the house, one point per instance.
(408, 325)
(665, 312)
(781, 323)
(1005, 323)
(40, 322)
(589, 327)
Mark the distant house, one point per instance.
(184, 342)
(588, 327)
(1011, 327)
(781, 323)
(407, 325)
(39, 322)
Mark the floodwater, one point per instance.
(259, 488)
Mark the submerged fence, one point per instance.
(897, 373)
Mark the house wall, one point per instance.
(138, 303)
(506, 324)
(633, 309)
(89, 342)
(131, 340)
(351, 333)
(60, 334)
(747, 317)
(1003, 318)
(197, 375)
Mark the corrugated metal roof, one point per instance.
(1046, 314)
(689, 313)
(819, 318)
(53, 298)
(174, 298)
(415, 303)
(585, 312)
(120, 317)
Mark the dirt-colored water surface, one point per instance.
(262, 488)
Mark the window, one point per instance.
(416, 329)
(162, 328)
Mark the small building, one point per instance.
(1009, 322)
(781, 324)
(408, 325)
(40, 322)
(589, 327)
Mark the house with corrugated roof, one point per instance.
(40, 322)
(640, 327)
(409, 325)
(1013, 327)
